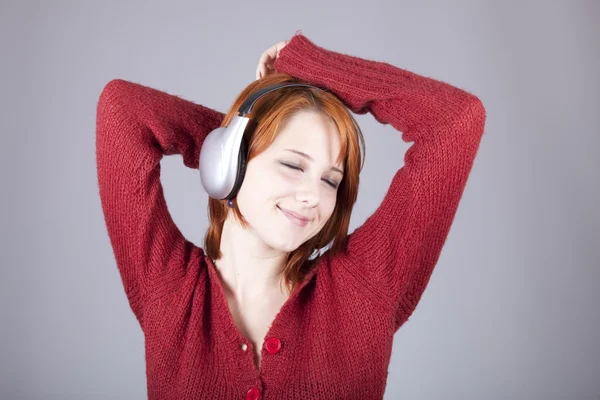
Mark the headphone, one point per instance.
(223, 155)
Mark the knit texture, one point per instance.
(332, 339)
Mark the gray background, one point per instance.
(511, 311)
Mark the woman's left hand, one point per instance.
(265, 64)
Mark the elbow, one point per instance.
(112, 90)
(113, 100)
(478, 109)
(472, 119)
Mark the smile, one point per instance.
(298, 221)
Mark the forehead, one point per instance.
(311, 132)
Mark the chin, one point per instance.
(287, 248)
(284, 247)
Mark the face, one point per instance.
(296, 174)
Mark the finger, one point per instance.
(263, 58)
(272, 51)
(261, 64)
(266, 60)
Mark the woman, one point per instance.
(216, 321)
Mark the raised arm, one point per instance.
(393, 253)
(135, 126)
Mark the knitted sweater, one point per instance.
(332, 339)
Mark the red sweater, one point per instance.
(332, 339)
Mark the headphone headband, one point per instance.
(246, 107)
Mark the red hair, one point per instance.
(268, 114)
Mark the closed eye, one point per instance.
(292, 166)
(332, 184)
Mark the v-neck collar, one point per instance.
(231, 331)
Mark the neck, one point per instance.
(249, 269)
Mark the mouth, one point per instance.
(300, 221)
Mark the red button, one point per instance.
(273, 345)
(253, 394)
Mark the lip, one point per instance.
(296, 218)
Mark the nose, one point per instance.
(309, 193)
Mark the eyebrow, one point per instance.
(311, 159)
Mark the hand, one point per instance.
(265, 64)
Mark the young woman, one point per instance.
(259, 313)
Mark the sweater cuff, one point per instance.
(299, 54)
(301, 48)
(350, 78)
(353, 79)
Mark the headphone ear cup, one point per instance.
(243, 158)
(241, 171)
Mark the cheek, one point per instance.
(328, 207)
(261, 186)
(281, 183)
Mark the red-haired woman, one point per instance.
(262, 311)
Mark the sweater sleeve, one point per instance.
(135, 126)
(392, 254)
